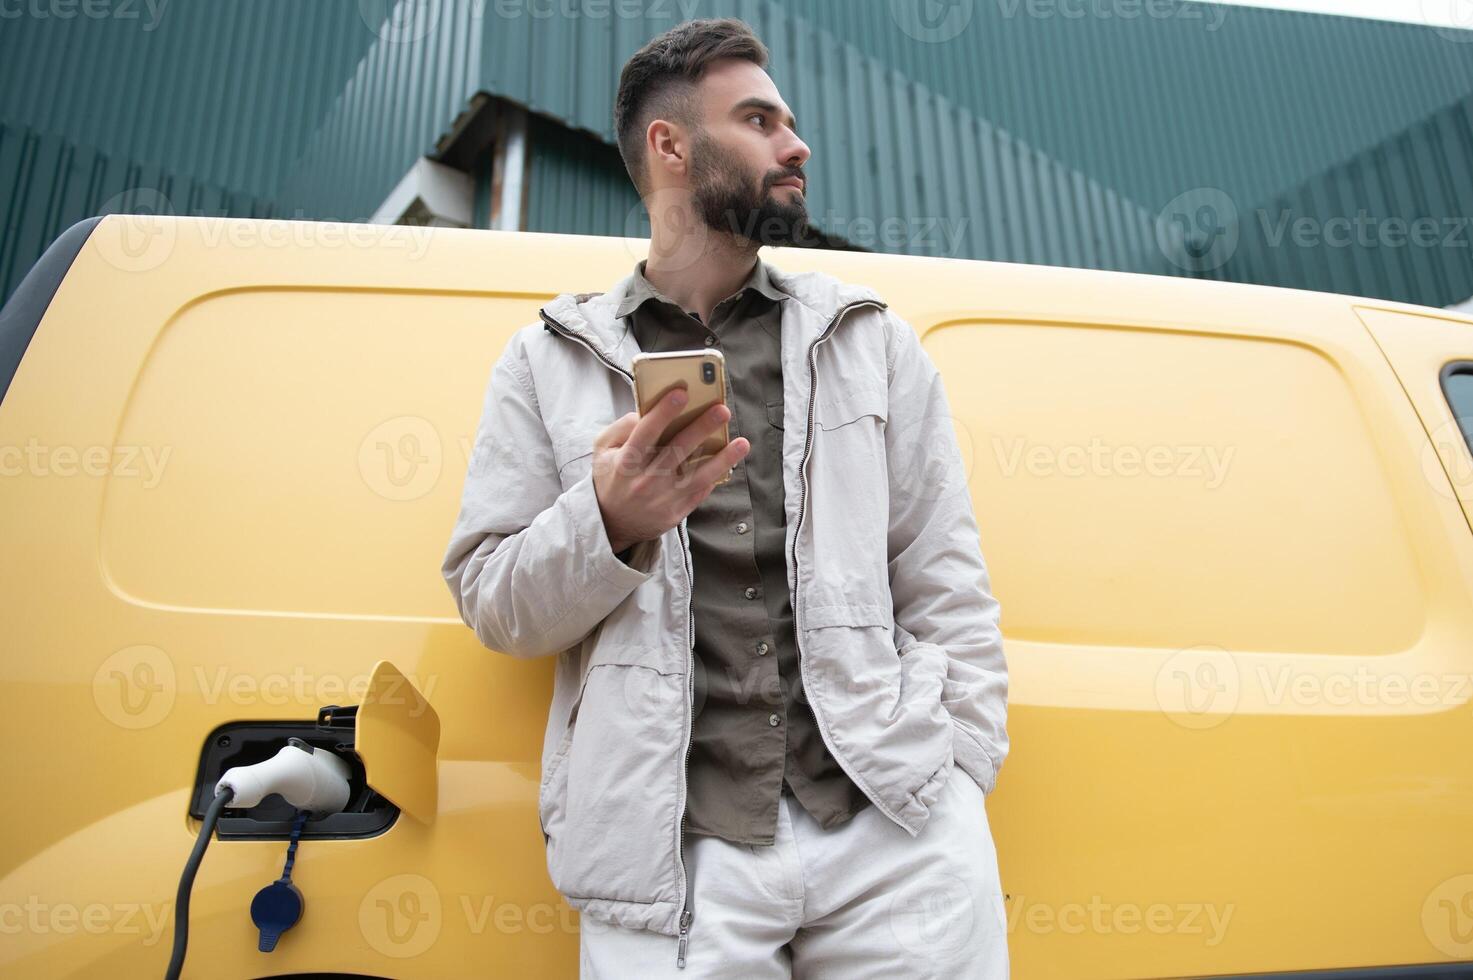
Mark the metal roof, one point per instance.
(1020, 134)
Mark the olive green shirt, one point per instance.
(753, 730)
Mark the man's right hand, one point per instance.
(641, 490)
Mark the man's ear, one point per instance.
(668, 146)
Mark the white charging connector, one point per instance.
(307, 777)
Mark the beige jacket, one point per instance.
(901, 655)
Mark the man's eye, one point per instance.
(756, 115)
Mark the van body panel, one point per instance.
(1238, 611)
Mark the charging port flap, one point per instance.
(399, 741)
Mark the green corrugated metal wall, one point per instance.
(1391, 222)
(1179, 95)
(1052, 139)
(48, 183)
(200, 111)
(227, 93)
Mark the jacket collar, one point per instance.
(640, 288)
(809, 301)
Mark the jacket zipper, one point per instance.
(802, 504)
(690, 693)
(685, 912)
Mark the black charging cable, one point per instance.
(186, 881)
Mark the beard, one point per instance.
(726, 201)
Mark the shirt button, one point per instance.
(772, 719)
(761, 648)
(710, 340)
(741, 527)
(750, 592)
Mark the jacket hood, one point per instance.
(591, 315)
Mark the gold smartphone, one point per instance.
(703, 374)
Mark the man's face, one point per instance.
(747, 159)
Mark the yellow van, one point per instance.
(1228, 525)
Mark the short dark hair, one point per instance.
(659, 81)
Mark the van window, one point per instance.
(1457, 387)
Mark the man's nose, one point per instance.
(797, 154)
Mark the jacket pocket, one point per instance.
(621, 776)
(844, 401)
(574, 468)
(572, 451)
(551, 791)
(882, 707)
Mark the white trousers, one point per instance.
(864, 900)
